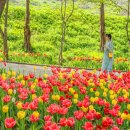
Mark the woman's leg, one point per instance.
(110, 65)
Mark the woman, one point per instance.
(108, 58)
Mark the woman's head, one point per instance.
(108, 37)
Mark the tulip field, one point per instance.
(69, 99)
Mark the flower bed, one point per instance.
(67, 100)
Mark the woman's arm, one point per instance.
(109, 46)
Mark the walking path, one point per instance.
(28, 68)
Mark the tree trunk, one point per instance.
(62, 42)
(27, 33)
(127, 22)
(2, 5)
(5, 31)
(102, 27)
(64, 23)
(63, 13)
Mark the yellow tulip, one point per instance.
(71, 90)
(44, 67)
(13, 73)
(104, 94)
(32, 86)
(57, 97)
(124, 91)
(23, 82)
(119, 113)
(53, 97)
(75, 101)
(97, 94)
(92, 99)
(91, 89)
(101, 84)
(105, 90)
(4, 78)
(123, 116)
(34, 96)
(112, 97)
(1, 59)
(40, 99)
(35, 67)
(114, 102)
(36, 113)
(45, 75)
(111, 92)
(128, 117)
(125, 96)
(21, 114)
(3, 75)
(10, 91)
(84, 109)
(9, 73)
(5, 109)
(91, 107)
(76, 96)
(36, 81)
(104, 118)
(21, 76)
(128, 106)
(19, 105)
(96, 98)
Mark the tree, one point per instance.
(127, 22)
(27, 32)
(127, 11)
(102, 26)
(102, 20)
(64, 19)
(2, 5)
(4, 31)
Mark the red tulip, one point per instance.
(78, 115)
(10, 122)
(47, 118)
(4, 63)
(100, 102)
(6, 99)
(66, 103)
(113, 112)
(119, 121)
(107, 122)
(25, 106)
(98, 116)
(52, 126)
(63, 122)
(23, 95)
(33, 105)
(33, 118)
(53, 108)
(70, 122)
(31, 75)
(90, 115)
(115, 128)
(88, 126)
(63, 110)
(12, 80)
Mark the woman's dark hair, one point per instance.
(109, 36)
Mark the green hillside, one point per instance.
(82, 38)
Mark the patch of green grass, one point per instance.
(82, 38)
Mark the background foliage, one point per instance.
(82, 38)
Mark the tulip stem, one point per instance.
(23, 124)
(33, 126)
